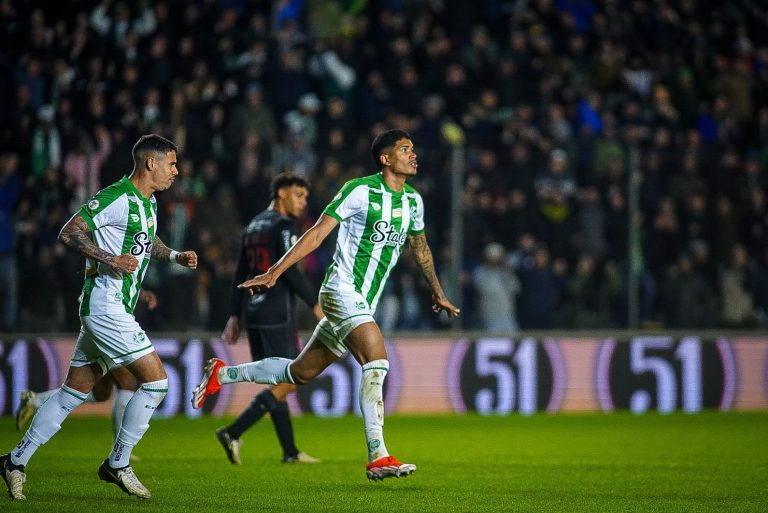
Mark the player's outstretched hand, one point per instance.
(187, 259)
(125, 264)
(442, 303)
(149, 298)
(231, 330)
(259, 283)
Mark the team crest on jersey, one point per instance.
(397, 212)
(93, 204)
(150, 222)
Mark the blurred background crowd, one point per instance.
(565, 105)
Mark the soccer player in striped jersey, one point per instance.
(377, 214)
(115, 231)
(118, 378)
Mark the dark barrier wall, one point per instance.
(441, 375)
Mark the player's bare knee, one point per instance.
(147, 368)
(83, 378)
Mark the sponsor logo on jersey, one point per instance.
(118, 296)
(414, 211)
(141, 244)
(385, 232)
(360, 305)
(93, 204)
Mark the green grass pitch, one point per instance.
(550, 463)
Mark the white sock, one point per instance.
(41, 397)
(269, 371)
(47, 422)
(372, 406)
(135, 423)
(118, 408)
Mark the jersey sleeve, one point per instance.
(417, 215)
(103, 209)
(349, 201)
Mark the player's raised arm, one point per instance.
(75, 235)
(423, 257)
(306, 244)
(163, 253)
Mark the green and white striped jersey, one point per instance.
(122, 221)
(374, 224)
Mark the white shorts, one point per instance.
(344, 311)
(110, 340)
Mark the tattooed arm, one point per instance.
(160, 251)
(423, 257)
(75, 235)
(163, 253)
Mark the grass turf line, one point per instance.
(572, 463)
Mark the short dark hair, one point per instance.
(386, 140)
(284, 180)
(151, 143)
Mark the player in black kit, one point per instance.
(269, 315)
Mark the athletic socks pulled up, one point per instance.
(372, 407)
(269, 371)
(281, 418)
(47, 422)
(263, 402)
(135, 423)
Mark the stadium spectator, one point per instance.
(496, 288)
(540, 291)
(690, 299)
(661, 89)
(9, 195)
(736, 289)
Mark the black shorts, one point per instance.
(281, 341)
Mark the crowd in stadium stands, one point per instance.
(553, 96)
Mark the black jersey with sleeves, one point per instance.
(266, 238)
